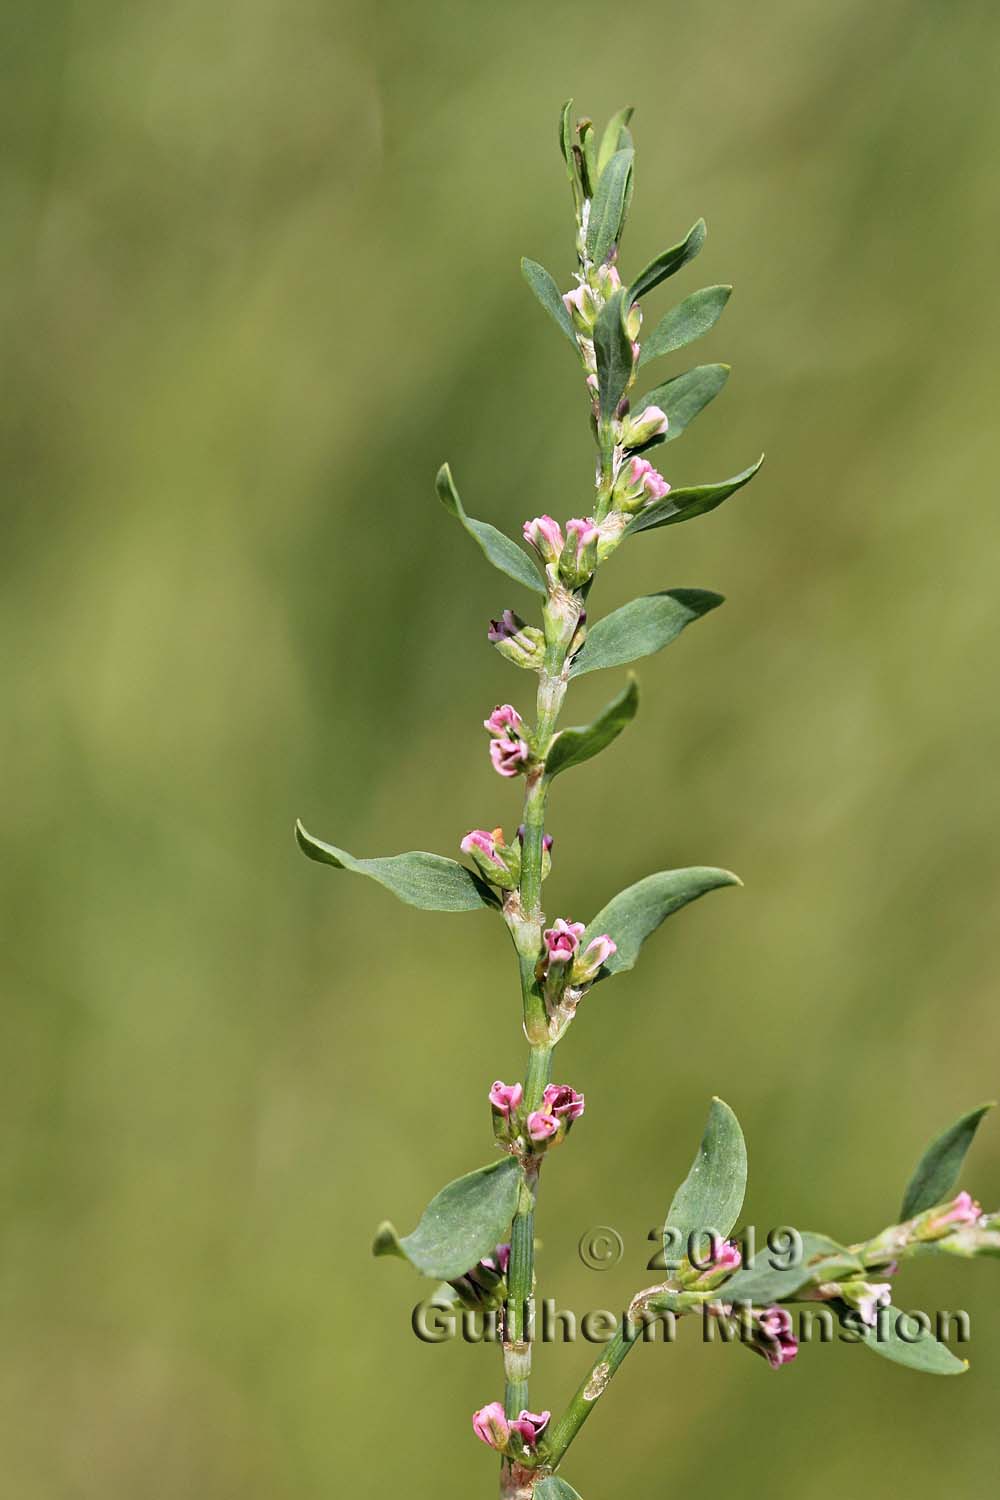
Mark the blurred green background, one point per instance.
(259, 277)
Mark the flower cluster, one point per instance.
(563, 965)
(536, 1130)
(518, 1437)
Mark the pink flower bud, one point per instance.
(592, 959)
(582, 308)
(638, 484)
(562, 1101)
(479, 839)
(545, 535)
(490, 1425)
(639, 430)
(875, 1295)
(542, 1126)
(530, 1425)
(506, 1097)
(502, 719)
(522, 644)
(502, 1257)
(583, 533)
(562, 941)
(775, 1339)
(508, 756)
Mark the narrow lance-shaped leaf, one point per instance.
(668, 262)
(683, 397)
(937, 1171)
(686, 504)
(549, 296)
(763, 1283)
(636, 912)
(688, 321)
(554, 1488)
(901, 1338)
(613, 352)
(573, 746)
(711, 1195)
(429, 881)
(641, 627)
(466, 1221)
(499, 549)
(608, 205)
(616, 136)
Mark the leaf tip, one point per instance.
(386, 1241)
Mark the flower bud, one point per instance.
(495, 860)
(529, 1426)
(485, 1286)
(503, 720)
(505, 1098)
(773, 1336)
(606, 281)
(522, 644)
(637, 485)
(633, 322)
(582, 307)
(490, 1425)
(594, 956)
(542, 1126)
(578, 558)
(545, 535)
(639, 430)
(726, 1258)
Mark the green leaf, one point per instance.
(936, 1173)
(683, 397)
(919, 1351)
(763, 1283)
(566, 136)
(499, 549)
(549, 296)
(613, 352)
(636, 912)
(554, 1488)
(668, 262)
(685, 322)
(466, 1221)
(616, 137)
(685, 504)
(429, 881)
(607, 206)
(640, 628)
(711, 1195)
(573, 746)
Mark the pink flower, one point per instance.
(502, 719)
(506, 1097)
(560, 1100)
(593, 957)
(562, 941)
(964, 1210)
(479, 839)
(726, 1256)
(778, 1343)
(639, 430)
(508, 756)
(876, 1294)
(501, 1255)
(545, 535)
(505, 628)
(490, 1425)
(542, 1126)
(530, 1425)
(582, 308)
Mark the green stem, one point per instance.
(589, 1393)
